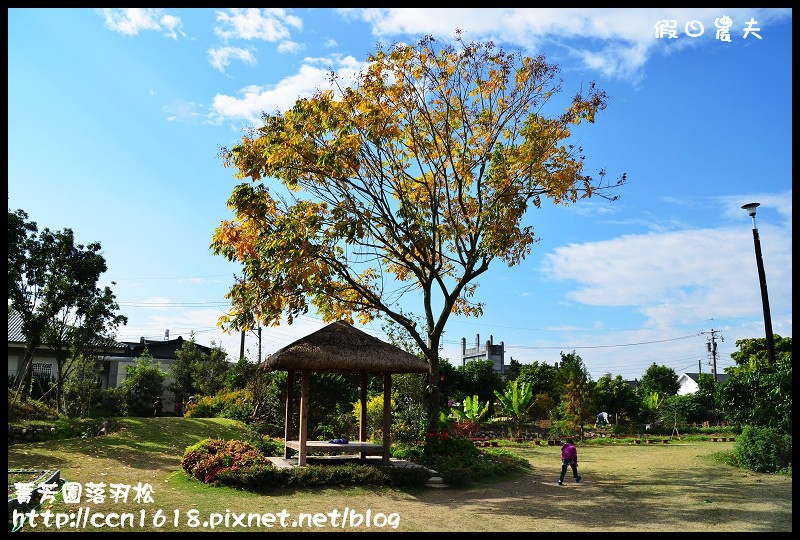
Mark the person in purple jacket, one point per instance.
(569, 458)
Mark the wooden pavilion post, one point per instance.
(387, 415)
(288, 431)
(304, 377)
(362, 418)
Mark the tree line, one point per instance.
(52, 284)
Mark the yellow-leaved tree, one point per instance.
(412, 180)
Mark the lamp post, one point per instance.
(751, 211)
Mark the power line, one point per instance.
(593, 330)
(451, 342)
(278, 339)
(601, 346)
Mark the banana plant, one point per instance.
(473, 410)
(653, 402)
(516, 401)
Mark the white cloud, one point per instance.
(312, 76)
(290, 47)
(220, 58)
(614, 41)
(678, 276)
(271, 24)
(131, 21)
(173, 25)
(779, 202)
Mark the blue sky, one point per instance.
(116, 118)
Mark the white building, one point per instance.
(688, 382)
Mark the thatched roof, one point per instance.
(341, 347)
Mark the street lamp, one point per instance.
(751, 210)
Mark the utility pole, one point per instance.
(711, 345)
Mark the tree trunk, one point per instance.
(24, 373)
(433, 387)
(433, 402)
(61, 404)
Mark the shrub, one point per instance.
(494, 462)
(407, 452)
(257, 435)
(206, 459)
(465, 428)
(458, 461)
(763, 449)
(409, 419)
(235, 405)
(374, 416)
(30, 409)
(257, 477)
(69, 428)
(261, 478)
(84, 427)
(338, 423)
(240, 465)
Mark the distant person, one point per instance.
(158, 407)
(190, 406)
(602, 418)
(569, 458)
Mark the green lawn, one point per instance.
(675, 487)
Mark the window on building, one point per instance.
(40, 368)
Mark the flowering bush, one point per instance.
(206, 459)
(441, 443)
(238, 464)
(374, 416)
(467, 429)
(235, 405)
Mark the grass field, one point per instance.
(674, 487)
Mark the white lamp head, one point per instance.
(751, 208)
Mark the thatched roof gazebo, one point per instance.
(340, 347)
